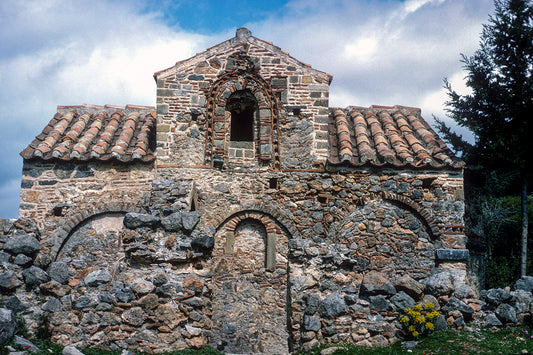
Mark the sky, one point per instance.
(67, 52)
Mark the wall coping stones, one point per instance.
(452, 254)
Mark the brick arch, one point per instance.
(71, 223)
(422, 213)
(265, 214)
(268, 108)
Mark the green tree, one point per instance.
(498, 109)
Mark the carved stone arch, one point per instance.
(70, 224)
(267, 116)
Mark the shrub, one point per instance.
(418, 321)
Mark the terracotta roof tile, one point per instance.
(386, 136)
(96, 132)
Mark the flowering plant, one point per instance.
(418, 321)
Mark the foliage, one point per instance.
(471, 341)
(418, 322)
(497, 110)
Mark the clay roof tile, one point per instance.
(86, 132)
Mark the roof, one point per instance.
(386, 136)
(89, 132)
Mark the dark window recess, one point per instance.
(273, 183)
(242, 106)
(57, 211)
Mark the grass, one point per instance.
(512, 340)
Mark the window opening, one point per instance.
(242, 105)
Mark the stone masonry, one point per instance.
(241, 212)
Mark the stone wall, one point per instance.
(292, 113)
(245, 260)
(52, 190)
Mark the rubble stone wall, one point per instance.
(243, 260)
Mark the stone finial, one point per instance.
(243, 33)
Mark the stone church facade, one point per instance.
(242, 211)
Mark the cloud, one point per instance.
(55, 52)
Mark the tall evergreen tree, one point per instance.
(498, 110)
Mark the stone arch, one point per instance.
(423, 213)
(387, 237)
(268, 116)
(70, 224)
(250, 304)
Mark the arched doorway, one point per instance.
(249, 286)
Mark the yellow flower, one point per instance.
(429, 326)
(407, 310)
(412, 328)
(417, 307)
(415, 333)
(404, 320)
(430, 305)
(420, 319)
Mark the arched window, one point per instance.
(242, 105)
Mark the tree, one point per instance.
(498, 110)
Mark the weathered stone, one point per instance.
(506, 313)
(9, 280)
(440, 323)
(190, 220)
(58, 271)
(456, 305)
(524, 283)
(379, 303)
(496, 296)
(375, 283)
(22, 260)
(172, 222)
(440, 284)
(160, 279)
(312, 323)
(169, 315)
(203, 243)
(134, 220)
(4, 257)
(142, 287)
(134, 316)
(52, 305)
(521, 301)
(8, 324)
(332, 305)
(492, 321)
(464, 291)
(402, 300)
(22, 243)
(97, 278)
(410, 286)
(71, 350)
(150, 301)
(34, 276)
(312, 303)
(54, 288)
(86, 301)
(26, 344)
(14, 304)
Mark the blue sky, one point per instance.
(65, 52)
